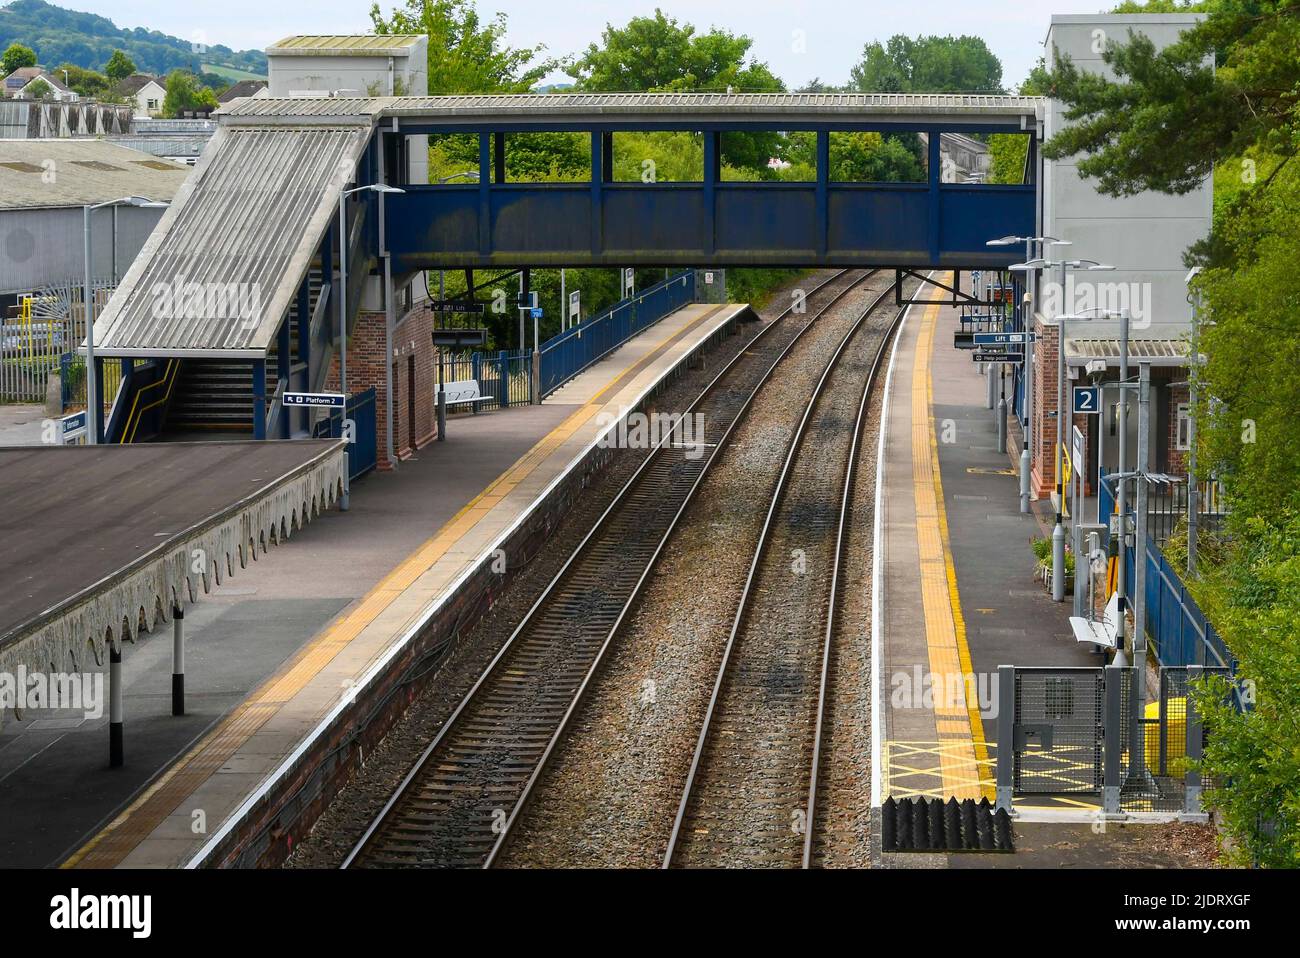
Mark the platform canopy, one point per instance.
(98, 543)
(221, 268)
(658, 110)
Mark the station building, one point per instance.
(1144, 237)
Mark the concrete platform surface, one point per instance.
(275, 653)
(959, 598)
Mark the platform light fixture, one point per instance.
(343, 305)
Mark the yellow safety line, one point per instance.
(945, 626)
(311, 658)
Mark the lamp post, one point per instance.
(1027, 405)
(94, 408)
(1121, 496)
(343, 309)
(1193, 487)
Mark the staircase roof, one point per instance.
(219, 272)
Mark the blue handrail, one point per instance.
(565, 355)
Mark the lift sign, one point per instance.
(1087, 400)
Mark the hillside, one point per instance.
(88, 40)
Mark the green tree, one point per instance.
(87, 83)
(466, 54)
(1123, 125)
(1224, 98)
(1010, 150)
(119, 66)
(656, 54)
(858, 157)
(184, 93)
(928, 64)
(16, 57)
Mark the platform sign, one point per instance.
(72, 428)
(456, 306)
(530, 302)
(1000, 339)
(1087, 400)
(629, 282)
(575, 305)
(981, 357)
(320, 400)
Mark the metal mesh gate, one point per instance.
(1058, 733)
(1096, 731)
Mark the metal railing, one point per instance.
(1175, 624)
(363, 451)
(565, 355)
(1080, 731)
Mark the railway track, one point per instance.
(750, 798)
(458, 804)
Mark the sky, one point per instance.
(798, 39)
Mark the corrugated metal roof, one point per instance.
(895, 106)
(251, 215)
(38, 173)
(1158, 352)
(333, 108)
(393, 44)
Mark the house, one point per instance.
(145, 92)
(253, 88)
(19, 84)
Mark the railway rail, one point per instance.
(458, 804)
(750, 797)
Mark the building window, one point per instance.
(1183, 436)
(151, 105)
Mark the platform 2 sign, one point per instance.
(1087, 400)
(320, 400)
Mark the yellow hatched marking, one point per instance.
(925, 769)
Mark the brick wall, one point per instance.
(1043, 458)
(412, 337)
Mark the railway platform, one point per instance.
(296, 653)
(956, 591)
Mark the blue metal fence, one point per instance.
(572, 351)
(1174, 622)
(363, 452)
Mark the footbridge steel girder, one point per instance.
(603, 223)
(494, 223)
